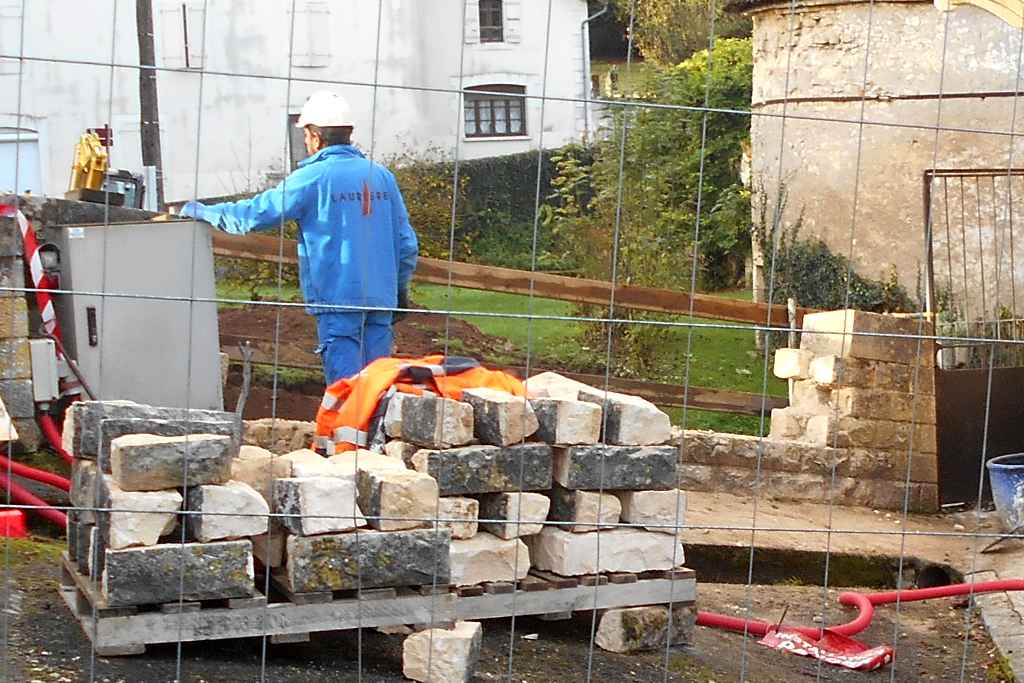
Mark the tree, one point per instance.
(669, 31)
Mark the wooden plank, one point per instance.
(279, 582)
(533, 583)
(593, 580)
(556, 580)
(545, 285)
(286, 638)
(85, 620)
(623, 577)
(701, 398)
(91, 599)
(244, 603)
(499, 587)
(180, 607)
(469, 591)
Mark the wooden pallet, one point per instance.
(127, 631)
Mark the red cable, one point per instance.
(865, 604)
(23, 497)
(52, 434)
(41, 476)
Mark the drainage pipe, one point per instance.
(865, 604)
(23, 497)
(42, 476)
(52, 434)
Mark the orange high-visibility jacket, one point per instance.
(351, 405)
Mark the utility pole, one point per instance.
(150, 116)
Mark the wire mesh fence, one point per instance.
(501, 468)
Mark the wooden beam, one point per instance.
(700, 398)
(544, 285)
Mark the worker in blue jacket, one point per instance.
(357, 250)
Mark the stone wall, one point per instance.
(862, 405)
(824, 157)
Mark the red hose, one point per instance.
(865, 604)
(41, 476)
(52, 435)
(23, 497)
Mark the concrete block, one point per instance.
(144, 462)
(792, 363)
(486, 557)
(230, 510)
(167, 573)
(567, 422)
(616, 467)
(317, 505)
(499, 418)
(487, 469)
(15, 359)
(584, 510)
(630, 420)
(640, 629)
(517, 514)
(396, 500)
(462, 514)
(618, 550)
(434, 422)
(13, 317)
(660, 511)
(841, 333)
(368, 559)
(18, 398)
(443, 655)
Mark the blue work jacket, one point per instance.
(355, 247)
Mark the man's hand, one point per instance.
(403, 302)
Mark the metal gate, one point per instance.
(975, 292)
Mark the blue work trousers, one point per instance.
(351, 341)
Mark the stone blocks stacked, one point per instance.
(15, 363)
(863, 401)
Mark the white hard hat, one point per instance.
(325, 109)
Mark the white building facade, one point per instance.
(425, 78)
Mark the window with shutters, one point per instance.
(495, 111)
(492, 24)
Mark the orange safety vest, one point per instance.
(352, 405)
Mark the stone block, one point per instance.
(15, 359)
(82, 430)
(487, 469)
(18, 398)
(513, 515)
(136, 518)
(461, 513)
(269, 548)
(618, 550)
(258, 468)
(113, 428)
(230, 510)
(877, 404)
(553, 385)
(401, 450)
(85, 490)
(369, 461)
(809, 398)
(792, 363)
(583, 510)
(616, 467)
(317, 505)
(370, 559)
(11, 243)
(500, 418)
(86, 535)
(835, 372)
(393, 416)
(443, 655)
(787, 424)
(871, 336)
(851, 432)
(13, 317)
(30, 438)
(8, 432)
(167, 573)
(661, 511)
(144, 462)
(486, 557)
(95, 553)
(639, 629)
(277, 435)
(12, 276)
(567, 422)
(629, 420)
(396, 500)
(435, 422)
(306, 462)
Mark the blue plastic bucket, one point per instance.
(1006, 474)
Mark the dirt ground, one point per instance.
(44, 643)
